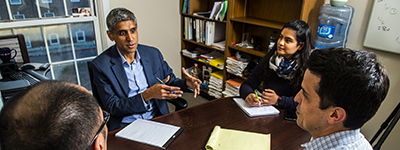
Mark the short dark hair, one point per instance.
(118, 15)
(351, 79)
(49, 115)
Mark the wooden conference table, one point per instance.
(199, 121)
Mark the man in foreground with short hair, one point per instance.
(53, 115)
(342, 89)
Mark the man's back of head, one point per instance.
(50, 115)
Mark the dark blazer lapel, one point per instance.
(147, 67)
(119, 72)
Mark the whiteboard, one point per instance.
(383, 32)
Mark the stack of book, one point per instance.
(193, 53)
(210, 56)
(185, 52)
(235, 66)
(215, 85)
(232, 87)
(219, 45)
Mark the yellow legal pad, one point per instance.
(228, 139)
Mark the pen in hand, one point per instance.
(259, 100)
(164, 84)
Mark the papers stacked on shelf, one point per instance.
(193, 53)
(219, 45)
(185, 52)
(215, 85)
(210, 56)
(232, 87)
(235, 66)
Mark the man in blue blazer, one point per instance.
(125, 75)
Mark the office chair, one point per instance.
(179, 102)
(391, 121)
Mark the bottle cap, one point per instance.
(338, 3)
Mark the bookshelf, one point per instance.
(259, 18)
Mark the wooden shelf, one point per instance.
(259, 22)
(261, 19)
(250, 51)
(201, 17)
(197, 60)
(203, 45)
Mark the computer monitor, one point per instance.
(16, 42)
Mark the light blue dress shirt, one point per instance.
(137, 85)
(344, 140)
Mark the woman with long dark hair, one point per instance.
(280, 71)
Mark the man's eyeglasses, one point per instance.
(106, 116)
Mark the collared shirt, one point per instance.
(344, 140)
(137, 84)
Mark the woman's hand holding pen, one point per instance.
(269, 97)
(162, 91)
(192, 82)
(252, 100)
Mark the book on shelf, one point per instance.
(210, 56)
(188, 7)
(187, 53)
(218, 62)
(215, 85)
(188, 29)
(232, 86)
(236, 82)
(219, 11)
(219, 45)
(190, 23)
(216, 8)
(230, 139)
(223, 12)
(231, 91)
(194, 52)
(216, 32)
(215, 93)
(218, 74)
(255, 111)
(184, 9)
(235, 66)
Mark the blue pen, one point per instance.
(164, 84)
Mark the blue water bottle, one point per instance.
(333, 24)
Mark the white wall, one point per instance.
(159, 25)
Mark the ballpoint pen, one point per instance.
(259, 100)
(164, 84)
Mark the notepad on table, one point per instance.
(229, 139)
(255, 111)
(150, 132)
